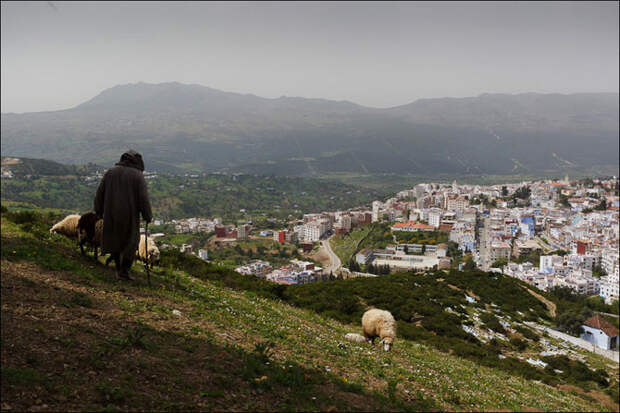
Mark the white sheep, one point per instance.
(152, 249)
(358, 338)
(67, 227)
(379, 323)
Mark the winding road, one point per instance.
(335, 264)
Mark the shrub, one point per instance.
(491, 322)
(527, 333)
(518, 343)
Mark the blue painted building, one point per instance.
(600, 332)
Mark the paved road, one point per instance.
(335, 264)
(586, 345)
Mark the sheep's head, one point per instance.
(154, 256)
(387, 343)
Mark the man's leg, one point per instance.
(127, 258)
(116, 256)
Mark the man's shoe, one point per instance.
(126, 277)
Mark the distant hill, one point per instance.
(191, 127)
(42, 167)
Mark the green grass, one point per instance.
(255, 346)
(345, 246)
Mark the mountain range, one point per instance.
(180, 127)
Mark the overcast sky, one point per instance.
(56, 55)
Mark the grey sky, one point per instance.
(57, 55)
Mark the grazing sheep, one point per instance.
(153, 252)
(379, 323)
(90, 231)
(67, 227)
(152, 249)
(358, 338)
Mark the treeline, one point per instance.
(175, 196)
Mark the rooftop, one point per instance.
(600, 323)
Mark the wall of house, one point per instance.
(599, 338)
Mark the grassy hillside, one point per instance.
(76, 338)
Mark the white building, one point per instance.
(434, 218)
(600, 332)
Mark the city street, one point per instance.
(335, 264)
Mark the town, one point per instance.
(547, 233)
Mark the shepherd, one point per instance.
(120, 200)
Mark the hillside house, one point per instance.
(600, 332)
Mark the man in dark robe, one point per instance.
(120, 199)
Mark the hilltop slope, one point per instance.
(192, 127)
(75, 338)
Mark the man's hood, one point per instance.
(132, 159)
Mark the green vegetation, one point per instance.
(499, 263)
(421, 237)
(375, 235)
(174, 196)
(265, 250)
(573, 309)
(43, 167)
(238, 344)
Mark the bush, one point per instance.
(492, 322)
(527, 333)
(518, 343)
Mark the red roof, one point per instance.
(600, 323)
(404, 224)
(412, 224)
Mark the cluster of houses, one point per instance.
(193, 225)
(313, 227)
(578, 219)
(296, 272)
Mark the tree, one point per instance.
(499, 263)
(602, 206)
(598, 271)
(523, 192)
(469, 264)
(571, 321)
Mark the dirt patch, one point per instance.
(549, 304)
(471, 293)
(321, 256)
(605, 400)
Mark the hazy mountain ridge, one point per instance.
(195, 127)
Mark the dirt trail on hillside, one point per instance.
(550, 305)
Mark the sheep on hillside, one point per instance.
(379, 323)
(90, 231)
(358, 338)
(153, 251)
(67, 227)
